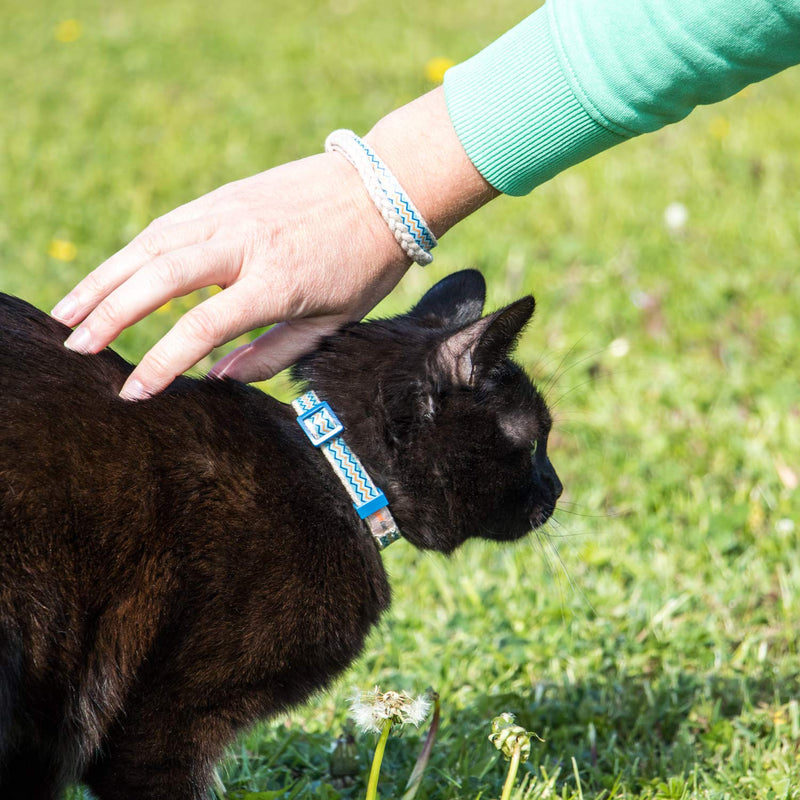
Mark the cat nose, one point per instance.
(545, 474)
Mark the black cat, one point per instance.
(173, 569)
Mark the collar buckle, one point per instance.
(320, 424)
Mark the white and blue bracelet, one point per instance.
(401, 215)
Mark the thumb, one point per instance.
(273, 351)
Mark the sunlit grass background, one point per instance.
(657, 655)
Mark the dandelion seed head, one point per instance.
(370, 710)
(417, 710)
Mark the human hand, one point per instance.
(301, 245)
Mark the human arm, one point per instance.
(579, 76)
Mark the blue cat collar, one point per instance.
(324, 430)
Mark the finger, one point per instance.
(208, 325)
(171, 275)
(154, 241)
(273, 351)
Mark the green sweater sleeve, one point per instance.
(579, 76)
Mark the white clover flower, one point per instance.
(676, 215)
(784, 525)
(370, 710)
(619, 348)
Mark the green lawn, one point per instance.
(650, 637)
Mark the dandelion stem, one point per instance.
(372, 786)
(512, 773)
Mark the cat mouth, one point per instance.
(541, 514)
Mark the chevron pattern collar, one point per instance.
(324, 431)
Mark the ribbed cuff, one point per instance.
(515, 112)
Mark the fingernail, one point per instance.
(133, 390)
(65, 309)
(80, 341)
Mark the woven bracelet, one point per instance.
(405, 222)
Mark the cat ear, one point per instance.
(455, 301)
(479, 348)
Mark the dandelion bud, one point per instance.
(507, 737)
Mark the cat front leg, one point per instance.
(159, 757)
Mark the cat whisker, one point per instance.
(561, 371)
(545, 533)
(539, 540)
(568, 535)
(587, 515)
(558, 371)
(553, 404)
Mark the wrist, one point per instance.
(420, 146)
(362, 211)
(399, 213)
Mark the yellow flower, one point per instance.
(779, 716)
(166, 308)
(436, 68)
(62, 249)
(756, 517)
(68, 30)
(719, 127)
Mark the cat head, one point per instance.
(450, 428)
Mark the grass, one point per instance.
(657, 653)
